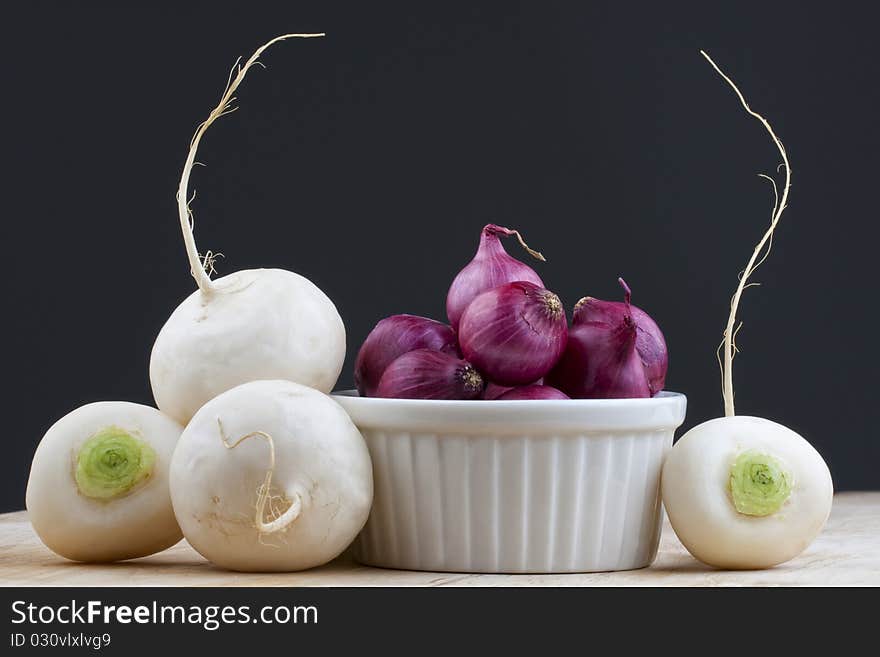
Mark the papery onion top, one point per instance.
(650, 342)
(491, 266)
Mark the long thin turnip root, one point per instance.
(745, 492)
(98, 487)
(252, 324)
(271, 476)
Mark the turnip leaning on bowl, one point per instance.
(98, 486)
(252, 324)
(745, 492)
(271, 476)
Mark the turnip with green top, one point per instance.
(98, 486)
(745, 492)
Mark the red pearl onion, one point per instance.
(392, 337)
(494, 391)
(428, 374)
(601, 361)
(513, 333)
(533, 392)
(491, 266)
(650, 343)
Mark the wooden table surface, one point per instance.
(846, 554)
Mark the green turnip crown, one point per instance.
(745, 492)
(98, 487)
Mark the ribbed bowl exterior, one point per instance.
(494, 500)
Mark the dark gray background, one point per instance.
(368, 161)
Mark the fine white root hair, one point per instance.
(208, 261)
(759, 255)
(201, 269)
(279, 518)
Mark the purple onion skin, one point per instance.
(491, 266)
(514, 333)
(650, 343)
(601, 362)
(429, 374)
(494, 391)
(394, 336)
(533, 392)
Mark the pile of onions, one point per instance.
(508, 339)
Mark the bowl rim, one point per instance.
(664, 411)
(352, 393)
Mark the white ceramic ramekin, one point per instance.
(538, 486)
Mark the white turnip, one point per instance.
(252, 324)
(745, 492)
(271, 476)
(98, 487)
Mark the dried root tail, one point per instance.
(762, 250)
(201, 267)
(278, 520)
